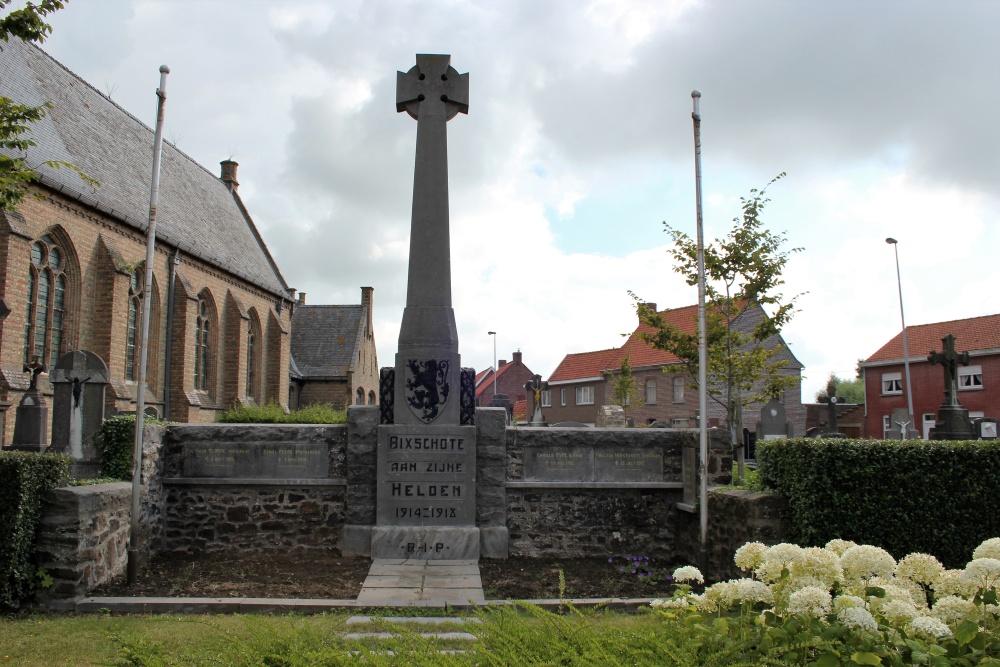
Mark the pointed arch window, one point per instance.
(359, 396)
(371, 398)
(46, 307)
(253, 357)
(201, 348)
(132, 343)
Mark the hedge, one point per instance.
(938, 497)
(25, 479)
(116, 443)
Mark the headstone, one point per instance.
(953, 421)
(773, 421)
(79, 380)
(536, 386)
(610, 416)
(503, 401)
(426, 498)
(986, 428)
(901, 426)
(31, 420)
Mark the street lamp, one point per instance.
(494, 334)
(906, 352)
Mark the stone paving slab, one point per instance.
(412, 620)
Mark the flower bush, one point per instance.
(848, 604)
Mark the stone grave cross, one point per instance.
(536, 386)
(949, 360)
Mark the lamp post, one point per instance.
(906, 352)
(494, 334)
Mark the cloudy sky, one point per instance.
(578, 146)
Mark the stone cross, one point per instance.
(949, 360)
(832, 414)
(36, 368)
(31, 419)
(428, 364)
(536, 387)
(79, 381)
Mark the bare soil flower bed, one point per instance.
(329, 575)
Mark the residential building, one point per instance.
(584, 381)
(333, 355)
(978, 383)
(72, 261)
(510, 380)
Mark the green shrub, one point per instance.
(272, 413)
(912, 496)
(116, 443)
(25, 478)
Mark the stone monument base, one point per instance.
(426, 542)
(953, 423)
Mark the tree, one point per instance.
(16, 119)
(851, 391)
(626, 391)
(743, 310)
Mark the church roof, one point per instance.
(325, 339)
(196, 211)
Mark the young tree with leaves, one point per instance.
(744, 312)
(16, 174)
(626, 390)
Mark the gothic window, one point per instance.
(46, 307)
(360, 398)
(371, 398)
(132, 343)
(201, 348)
(253, 357)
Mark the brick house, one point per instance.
(978, 383)
(584, 381)
(333, 355)
(510, 380)
(72, 256)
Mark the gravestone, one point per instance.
(31, 419)
(426, 459)
(503, 401)
(610, 416)
(79, 380)
(536, 386)
(899, 420)
(773, 422)
(953, 421)
(986, 428)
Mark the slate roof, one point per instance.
(640, 353)
(972, 334)
(196, 211)
(325, 339)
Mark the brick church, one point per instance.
(71, 261)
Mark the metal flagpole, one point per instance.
(702, 341)
(140, 394)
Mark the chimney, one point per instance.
(517, 357)
(302, 298)
(366, 296)
(503, 362)
(650, 306)
(229, 174)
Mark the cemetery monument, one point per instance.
(953, 421)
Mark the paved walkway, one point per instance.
(422, 583)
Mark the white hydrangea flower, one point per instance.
(750, 555)
(688, 573)
(897, 612)
(776, 559)
(954, 582)
(952, 609)
(798, 583)
(991, 609)
(863, 561)
(751, 591)
(821, 564)
(682, 602)
(921, 568)
(722, 594)
(982, 573)
(810, 601)
(988, 549)
(857, 618)
(840, 546)
(928, 626)
(842, 602)
(703, 603)
(917, 593)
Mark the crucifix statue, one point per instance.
(949, 360)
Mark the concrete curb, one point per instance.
(164, 605)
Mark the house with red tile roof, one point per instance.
(978, 383)
(583, 382)
(511, 376)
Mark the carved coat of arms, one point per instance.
(427, 388)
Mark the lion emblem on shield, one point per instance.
(426, 387)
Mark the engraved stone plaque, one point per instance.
(628, 465)
(559, 464)
(257, 461)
